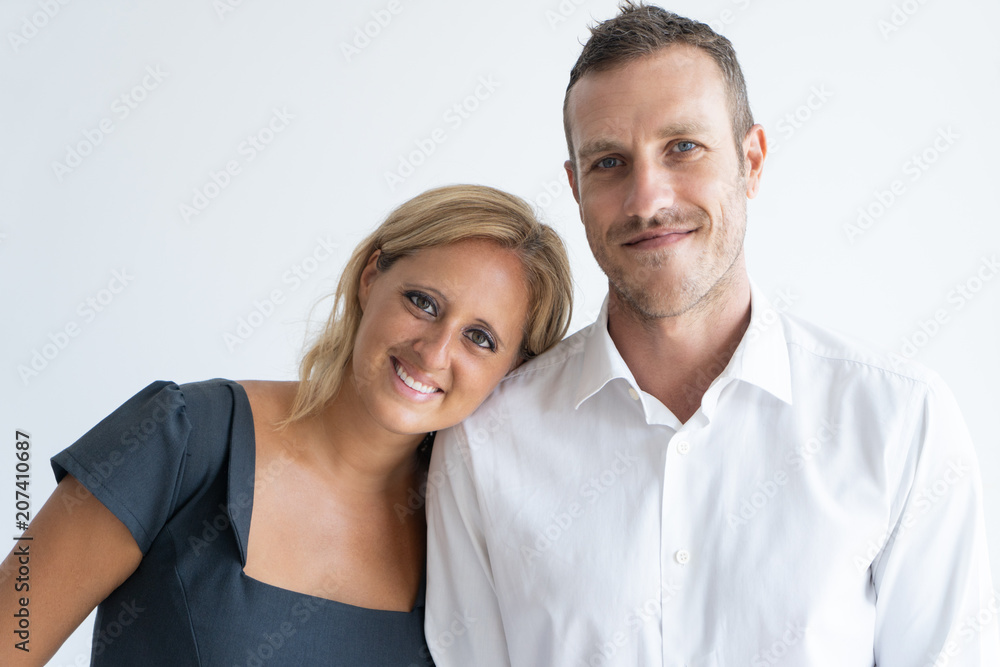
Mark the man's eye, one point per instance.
(607, 163)
(481, 339)
(422, 301)
(685, 146)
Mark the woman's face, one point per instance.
(439, 329)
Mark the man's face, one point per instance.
(660, 184)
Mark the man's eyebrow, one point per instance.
(675, 129)
(596, 146)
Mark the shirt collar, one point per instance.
(761, 358)
(601, 360)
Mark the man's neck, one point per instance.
(676, 358)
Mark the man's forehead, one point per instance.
(671, 61)
(681, 81)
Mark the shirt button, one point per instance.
(682, 556)
(683, 447)
(633, 393)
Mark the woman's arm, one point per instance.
(78, 554)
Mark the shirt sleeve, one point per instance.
(463, 621)
(133, 460)
(935, 602)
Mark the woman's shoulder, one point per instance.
(270, 405)
(270, 396)
(270, 401)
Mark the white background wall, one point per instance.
(884, 80)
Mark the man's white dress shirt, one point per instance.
(822, 507)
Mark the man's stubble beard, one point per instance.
(696, 290)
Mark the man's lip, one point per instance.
(416, 375)
(657, 234)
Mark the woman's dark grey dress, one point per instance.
(176, 465)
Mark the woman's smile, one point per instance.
(411, 383)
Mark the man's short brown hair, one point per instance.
(641, 30)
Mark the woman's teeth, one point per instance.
(413, 384)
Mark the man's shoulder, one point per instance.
(813, 344)
(546, 380)
(566, 355)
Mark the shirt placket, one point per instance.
(677, 557)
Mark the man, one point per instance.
(696, 479)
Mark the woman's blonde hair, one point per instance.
(434, 218)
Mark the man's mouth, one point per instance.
(655, 238)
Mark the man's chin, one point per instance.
(652, 302)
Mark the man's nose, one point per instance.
(650, 189)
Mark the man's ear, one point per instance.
(571, 176)
(754, 152)
(368, 276)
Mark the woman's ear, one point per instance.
(368, 276)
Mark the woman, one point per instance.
(281, 523)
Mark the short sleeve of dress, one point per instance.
(133, 460)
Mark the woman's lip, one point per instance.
(409, 393)
(416, 376)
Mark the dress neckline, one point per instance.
(240, 492)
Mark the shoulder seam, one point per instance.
(860, 362)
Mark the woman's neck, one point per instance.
(359, 453)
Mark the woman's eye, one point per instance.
(607, 163)
(481, 339)
(423, 302)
